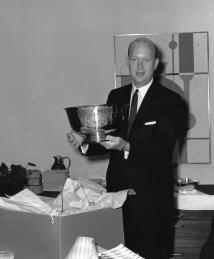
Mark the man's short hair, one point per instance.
(146, 41)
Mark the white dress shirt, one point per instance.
(141, 94)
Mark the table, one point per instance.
(194, 231)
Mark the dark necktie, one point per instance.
(133, 110)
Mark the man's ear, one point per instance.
(156, 62)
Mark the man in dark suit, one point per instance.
(141, 155)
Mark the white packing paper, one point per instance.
(83, 248)
(26, 201)
(194, 200)
(74, 198)
(119, 252)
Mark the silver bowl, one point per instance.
(186, 181)
(95, 121)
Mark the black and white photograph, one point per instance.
(106, 137)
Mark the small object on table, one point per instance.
(54, 180)
(34, 179)
(12, 179)
(6, 255)
(59, 163)
(186, 181)
(186, 185)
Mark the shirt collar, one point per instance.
(142, 89)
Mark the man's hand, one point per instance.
(75, 139)
(116, 143)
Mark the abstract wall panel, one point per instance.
(184, 68)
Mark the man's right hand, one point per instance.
(75, 139)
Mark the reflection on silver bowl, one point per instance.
(95, 121)
(186, 181)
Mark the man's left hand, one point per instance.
(116, 143)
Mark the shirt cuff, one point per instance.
(126, 154)
(84, 148)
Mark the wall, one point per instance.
(55, 54)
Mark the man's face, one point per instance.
(142, 63)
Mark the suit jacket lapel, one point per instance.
(127, 94)
(146, 104)
(126, 101)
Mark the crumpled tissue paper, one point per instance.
(75, 197)
(26, 201)
(85, 248)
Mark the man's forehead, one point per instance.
(138, 46)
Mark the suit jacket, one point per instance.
(148, 169)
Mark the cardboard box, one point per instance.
(35, 236)
(54, 180)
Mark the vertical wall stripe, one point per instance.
(186, 53)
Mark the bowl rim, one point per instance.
(90, 105)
